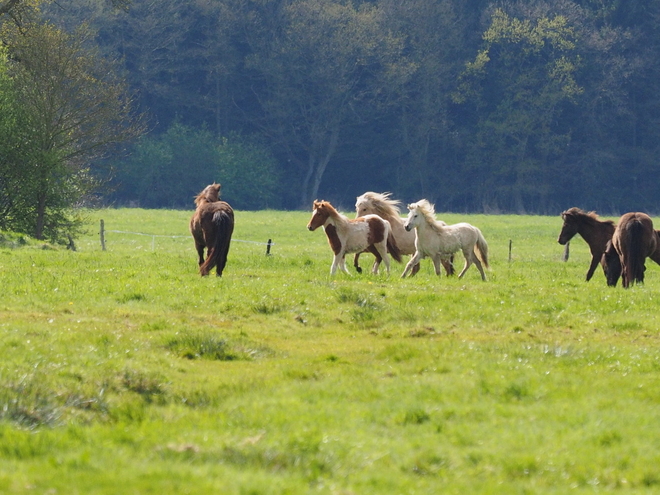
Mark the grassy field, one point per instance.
(123, 371)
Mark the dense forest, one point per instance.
(478, 106)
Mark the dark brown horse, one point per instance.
(211, 227)
(594, 231)
(613, 262)
(633, 241)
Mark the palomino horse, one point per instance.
(438, 241)
(372, 203)
(594, 231)
(352, 236)
(211, 227)
(613, 263)
(633, 241)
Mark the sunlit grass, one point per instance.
(124, 370)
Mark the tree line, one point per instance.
(511, 106)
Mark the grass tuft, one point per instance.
(201, 345)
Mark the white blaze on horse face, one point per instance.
(411, 221)
(316, 221)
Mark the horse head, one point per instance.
(210, 194)
(320, 213)
(570, 227)
(362, 206)
(413, 217)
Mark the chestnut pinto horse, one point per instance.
(211, 227)
(438, 241)
(597, 233)
(373, 203)
(633, 241)
(351, 236)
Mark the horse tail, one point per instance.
(392, 248)
(223, 224)
(482, 248)
(636, 252)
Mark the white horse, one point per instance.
(350, 236)
(373, 203)
(438, 241)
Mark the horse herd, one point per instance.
(379, 229)
(621, 249)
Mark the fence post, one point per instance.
(565, 257)
(270, 241)
(510, 246)
(102, 235)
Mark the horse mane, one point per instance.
(428, 211)
(381, 203)
(332, 212)
(210, 194)
(588, 216)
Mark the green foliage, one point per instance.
(514, 106)
(249, 174)
(168, 170)
(522, 80)
(65, 106)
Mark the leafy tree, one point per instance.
(433, 33)
(519, 84)
(76, 108)
(320, 65)
(168, 170)
(249, 174)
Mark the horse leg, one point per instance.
(372, 249)
(477, 262)
(378, 257)
(437, 264)
(356, 263)
(342, 265)
(200, 253)
(413, 261)
(336, 261)
(415, 269)
(381, 255)
(468, 261)
(592, 267)
(449, 267)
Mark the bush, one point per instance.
(167, 171)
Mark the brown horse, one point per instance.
(211, 227)
(613, 262)
(633, 241)
(354, 236)
(594, 231)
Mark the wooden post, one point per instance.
(268, 244)
(565, 257)
(102, 235)
(510, 246)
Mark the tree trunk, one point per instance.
(316, 168)
(41, 217)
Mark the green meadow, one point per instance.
(123, 371)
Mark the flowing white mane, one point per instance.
(380, 204)
(426, 209)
